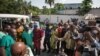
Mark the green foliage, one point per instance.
(85, 7)
(50, 2)
(53, 11)
(48, 11)
(59, 6)
(18, 7)
(45, 10)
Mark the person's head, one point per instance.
(75, 23)
(30, 25)
(18, 49)
(65, 25)
(35, 26)
(79, 42)
(59, 25)
(87, 42)
(13, 26)
(47, 25)
(61, 21)
(18, 24)
(26, 28)
(7, 28)
(72, 28)
(14, 33)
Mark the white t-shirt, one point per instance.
(29, 52)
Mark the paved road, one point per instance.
(47, 54)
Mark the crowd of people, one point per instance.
(72, 38)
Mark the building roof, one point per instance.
(73, 4)
(13, 16)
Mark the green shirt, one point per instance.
(27, 39)
(6, 42)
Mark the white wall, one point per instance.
(53, 18)
(68, 11)
(95, 11)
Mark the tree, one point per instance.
(45, 10)
(35, 10)
(22, 7)
(18, 7)
(50, 2)
(59, 6)
(85, 7)
(53, 11)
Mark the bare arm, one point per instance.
(2, 50)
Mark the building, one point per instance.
(95, 11)
(70, 9)
(72, 6)
(70, 12)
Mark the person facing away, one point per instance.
(27, 38)
(6, 42)
(47, 38)
(20, 49)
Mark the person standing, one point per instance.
(47, 38)
(69, 39)
(27, 38)
(6, 42)
(19, 29)
(38, 33)
(13, 34)
(58, 34)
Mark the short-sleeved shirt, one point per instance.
(27, 38)
(1, 35)
(6, 42)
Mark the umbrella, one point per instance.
(90, 17)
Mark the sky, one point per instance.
(41, 3)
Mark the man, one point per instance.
(13, 34)
(30, 31)
(27, 38)
(47, 38)
(20, 49)
(37, 39)
(6, 43)
(58, 35)
(1, 36)
(70, 40)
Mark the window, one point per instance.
(70, 7)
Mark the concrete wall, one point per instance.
(95, 11)
(68, 11)
(58, 18)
